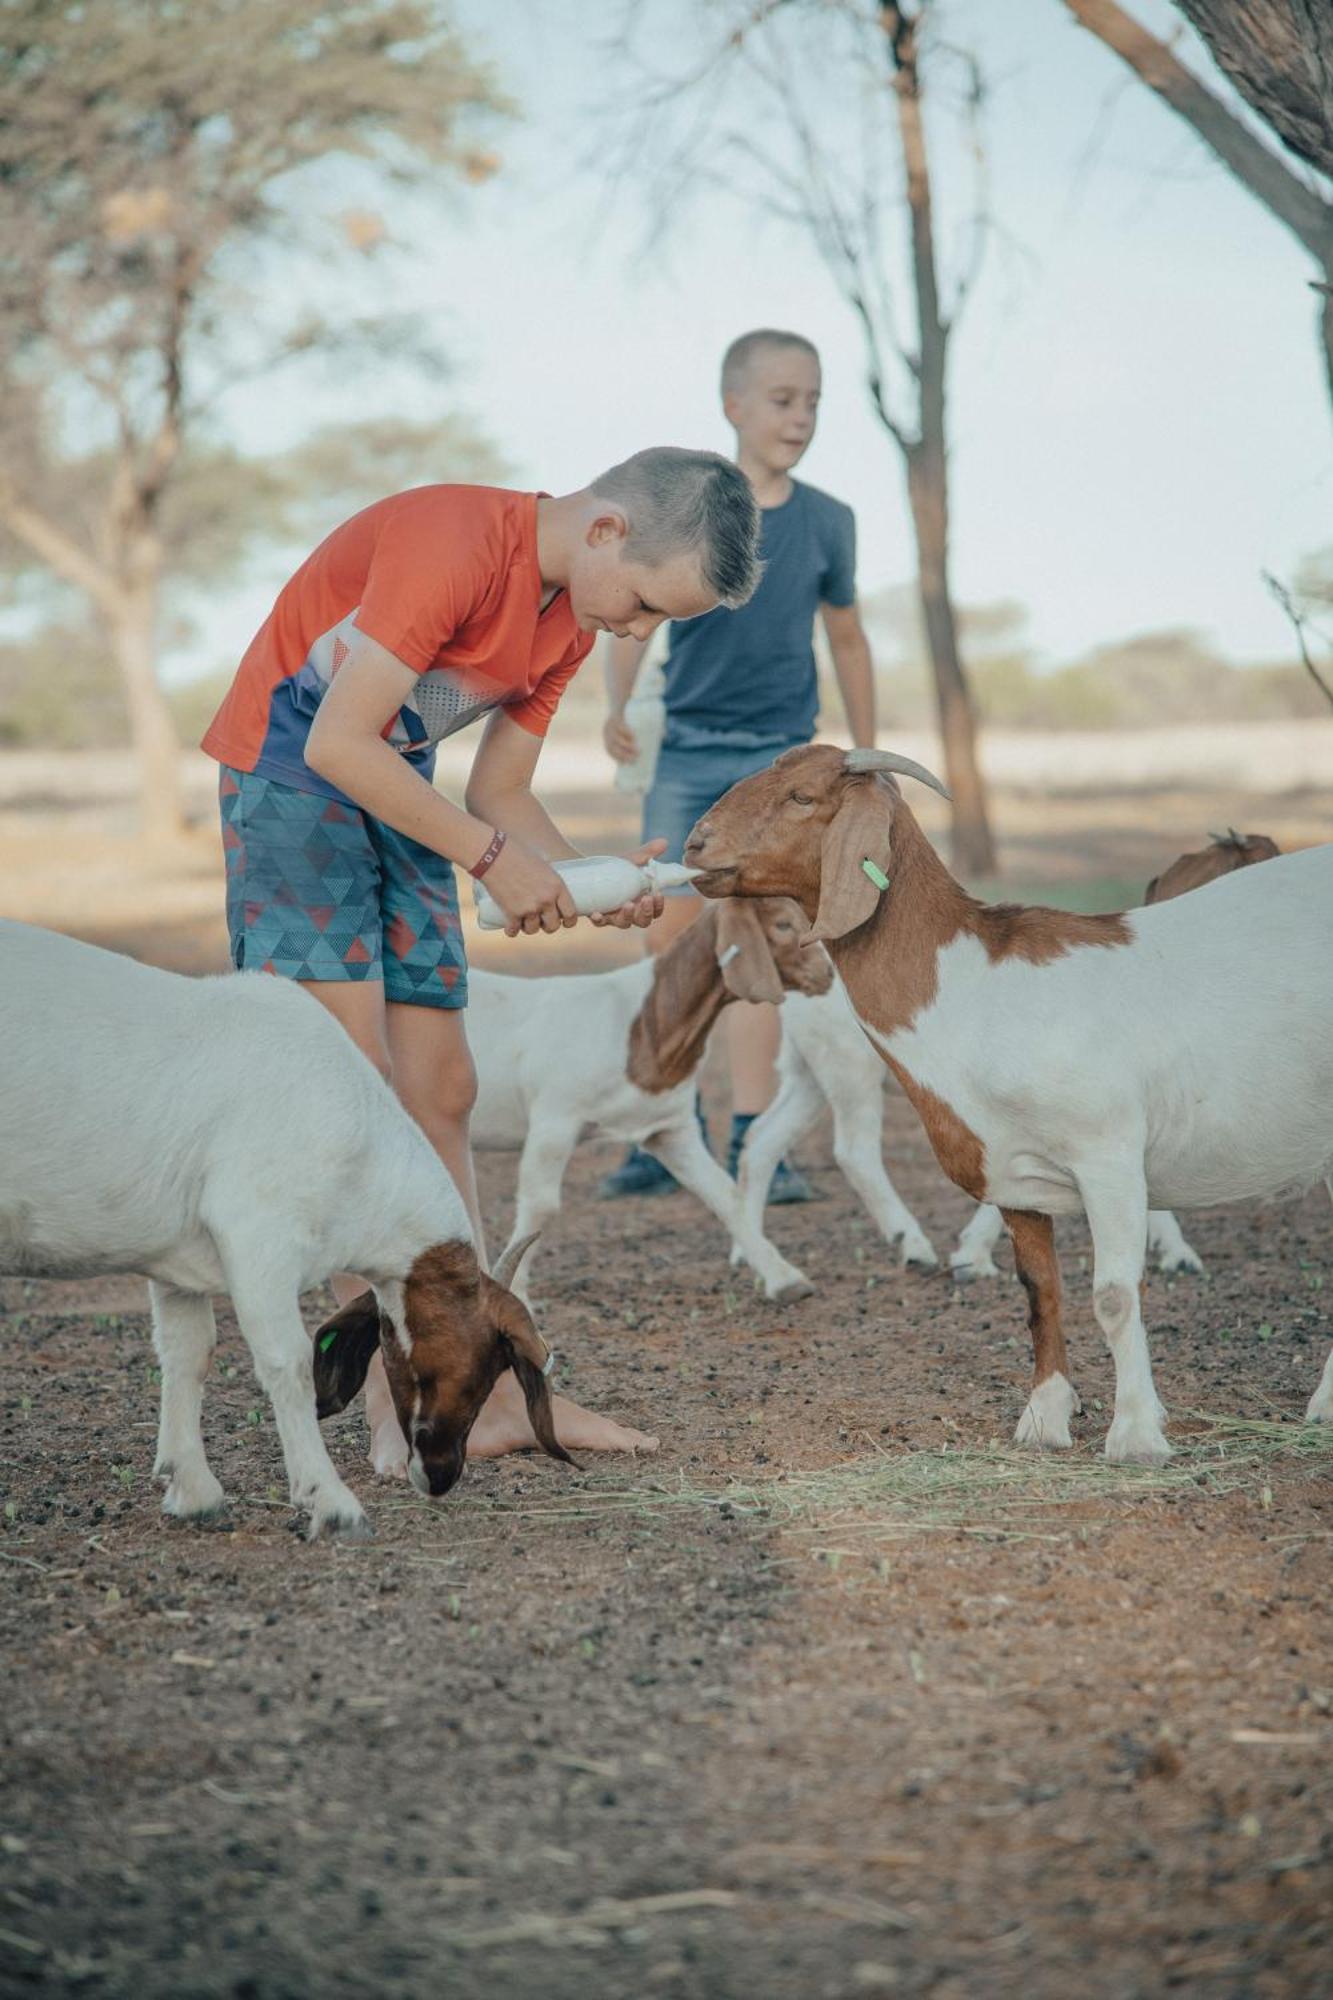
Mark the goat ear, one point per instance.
(743, 953)
(859, 831)
(1150, 892)
(343, 1349)
(527, 1354)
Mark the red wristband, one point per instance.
(498, 839)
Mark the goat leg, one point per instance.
(1054, 1400)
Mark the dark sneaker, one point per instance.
(789, 1184)
(638, 1173)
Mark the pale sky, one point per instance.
(1139, 420)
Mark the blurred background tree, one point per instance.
(1279, 55)
(61, 686)
(1149, 680)
(1259, 43)
(152, 155)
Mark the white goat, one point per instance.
(825, 1058)
(1176, 1055)
(618, 1052)
(226, 1135)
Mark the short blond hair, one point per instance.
(736, 361)
(676, 501)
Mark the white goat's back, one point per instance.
(134, 1097)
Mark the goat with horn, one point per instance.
(1174, 1056)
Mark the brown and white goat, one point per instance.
(1225, 853)
(1174, 1056)
(618, 1052)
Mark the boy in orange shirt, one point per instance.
(421, 614)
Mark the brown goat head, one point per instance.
(447, 1335)
(759, 950)
(817, 825)
(1224, 854)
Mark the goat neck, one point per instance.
(890, 965)
(669, 1033)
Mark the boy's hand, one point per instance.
(621, 743)
(529, 891)
(638, 915)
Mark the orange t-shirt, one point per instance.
(444, 577)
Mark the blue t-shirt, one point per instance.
(752, 671)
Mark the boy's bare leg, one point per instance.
(433, 1075)
(358, 1005)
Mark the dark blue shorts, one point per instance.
(692, 777)
(318, 890)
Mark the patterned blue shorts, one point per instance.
(319, 890)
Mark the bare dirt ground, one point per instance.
(835, 1696)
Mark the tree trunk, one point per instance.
(152, 731)
(1279, 55)
(972, 849)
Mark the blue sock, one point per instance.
(741, 1121)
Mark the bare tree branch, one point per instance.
(1300, 208)
(1255, 165)
(1298, 624)
(54, 548)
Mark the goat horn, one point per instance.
(512, 1256)
(890, 760)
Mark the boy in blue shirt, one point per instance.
(741, 685)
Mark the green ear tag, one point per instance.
(876, 874)
(328, 1340)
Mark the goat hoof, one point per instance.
(356, 1527)
(1319, 1410)
(1132, 1442)
(193, 1502)
(919, 1257)
(788, 1294)
(1038, 1437)
(967, 1272)
(388, 1459)
(1045, 1422)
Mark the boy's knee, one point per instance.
(447, 1096)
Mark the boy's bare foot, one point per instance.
(503, 1426)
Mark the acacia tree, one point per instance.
(786, 140)
(150, 157)
(1279, 55)
(219, 511)
(1295, 199)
